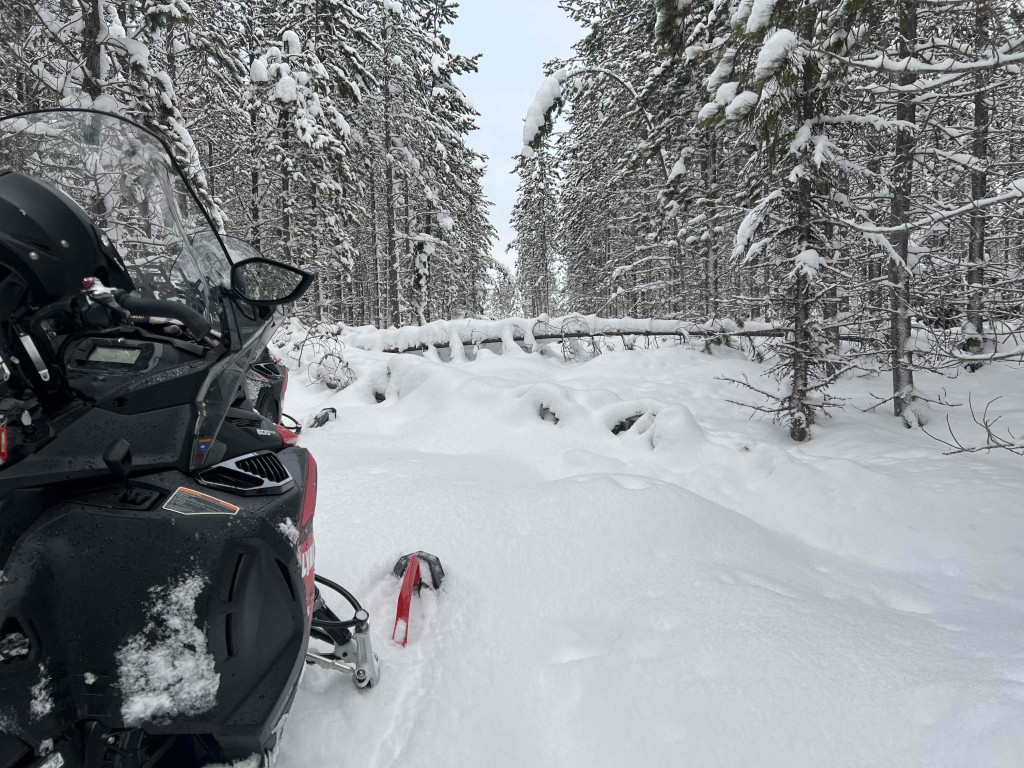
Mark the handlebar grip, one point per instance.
(196, 324)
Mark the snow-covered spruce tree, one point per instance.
(184, 62)
(776, 80)
(305, 83)
(114, 55)
(591, 220)
(975, 110)
(597, 235)
(932, 78)
(536, 220)
(450, 233)
(336, 31)
(203, 61)
(429, 236)
(708, 187)
(504, 299)
(274, 110)
(612, 168)
(648, 200)
(23, 45)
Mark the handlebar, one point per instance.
(196, 324)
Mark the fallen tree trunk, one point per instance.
(527, 333)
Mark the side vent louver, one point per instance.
(255, 474)
(265, 465)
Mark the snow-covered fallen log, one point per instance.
(531, 332)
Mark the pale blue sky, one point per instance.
(515, 37)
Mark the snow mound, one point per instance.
(166, 670)
(640, 574)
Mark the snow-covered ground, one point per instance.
(694, 591)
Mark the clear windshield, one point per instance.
(125, 179)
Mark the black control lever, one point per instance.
(118, 458)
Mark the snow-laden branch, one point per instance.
(1014, 192)
(1006, 354)
(877, 122)
(744, 246)
(539, 112)
(1005, 55)
(543, 103)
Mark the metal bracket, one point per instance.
(363, 667)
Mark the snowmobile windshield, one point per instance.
(126, 180)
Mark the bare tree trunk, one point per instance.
(801, 417)
(979, 190)
(92, 52)
(389, 185)
(426, 271)
(286, 201)
(24, 93)
(874, 266)
(710, 252)
(830, 304)
(314, 255)
(408, 246)
(900, 283)
(374, 289)
(392, 251)
(421, 276)
(802, 349)
(254, 207)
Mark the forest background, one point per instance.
(844, 179)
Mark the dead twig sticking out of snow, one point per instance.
(333, 371)
(940, 400)
(993, 440)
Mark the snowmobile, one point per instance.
(158, 591)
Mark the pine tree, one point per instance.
(535, 218)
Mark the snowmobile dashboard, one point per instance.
(115, 355)
(126, 361)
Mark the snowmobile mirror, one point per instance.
(118, 458)
(268, 283)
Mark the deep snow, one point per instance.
(694, 591)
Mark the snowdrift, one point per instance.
(639, 574)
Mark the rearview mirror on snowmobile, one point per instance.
(267, 283)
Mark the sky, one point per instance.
(515, 37)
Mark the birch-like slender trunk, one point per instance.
(900, 279)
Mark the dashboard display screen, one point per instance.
(115, 355)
